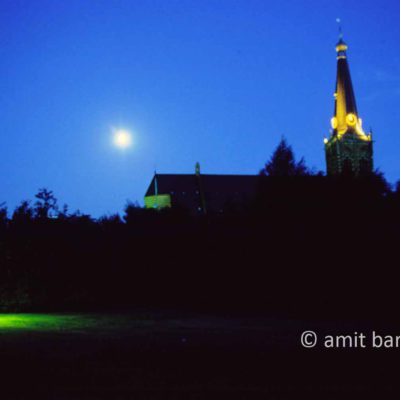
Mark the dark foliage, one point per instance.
(23, 214)
(3, 216)
(307, 246)
(46, 204)
(283, 163)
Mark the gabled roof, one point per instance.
(213, 183)
(189, 190)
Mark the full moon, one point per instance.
(122, 138)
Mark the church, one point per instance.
(348, 151)
(201, 193)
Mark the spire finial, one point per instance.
(339, 21)
(341, 46)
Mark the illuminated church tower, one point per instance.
(349, 149)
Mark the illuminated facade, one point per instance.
(349, 149)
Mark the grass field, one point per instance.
(170, 355)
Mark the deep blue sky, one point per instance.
(217, 82)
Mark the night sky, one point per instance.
(217, 82)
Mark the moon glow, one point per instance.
(122, 139)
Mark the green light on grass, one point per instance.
(44, 322)
(73, 323)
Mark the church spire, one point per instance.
(345, 149)
(345, 115)
(345, 118)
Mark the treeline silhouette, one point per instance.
(307, 245)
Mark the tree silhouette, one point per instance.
(110, 221)
(133, 212)
(3, 215)
(283, 162)
(23, 213)
(46, 204)
(378, 181)
(397, 188)
(63, 214)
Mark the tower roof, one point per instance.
(349, 149)
(345, 101)
(345, 118)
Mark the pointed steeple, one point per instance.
(345, 118)
(345, 100)
(349, 148)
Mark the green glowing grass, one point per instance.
(73, 323)
(45, 322)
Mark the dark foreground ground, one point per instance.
(166, 355)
